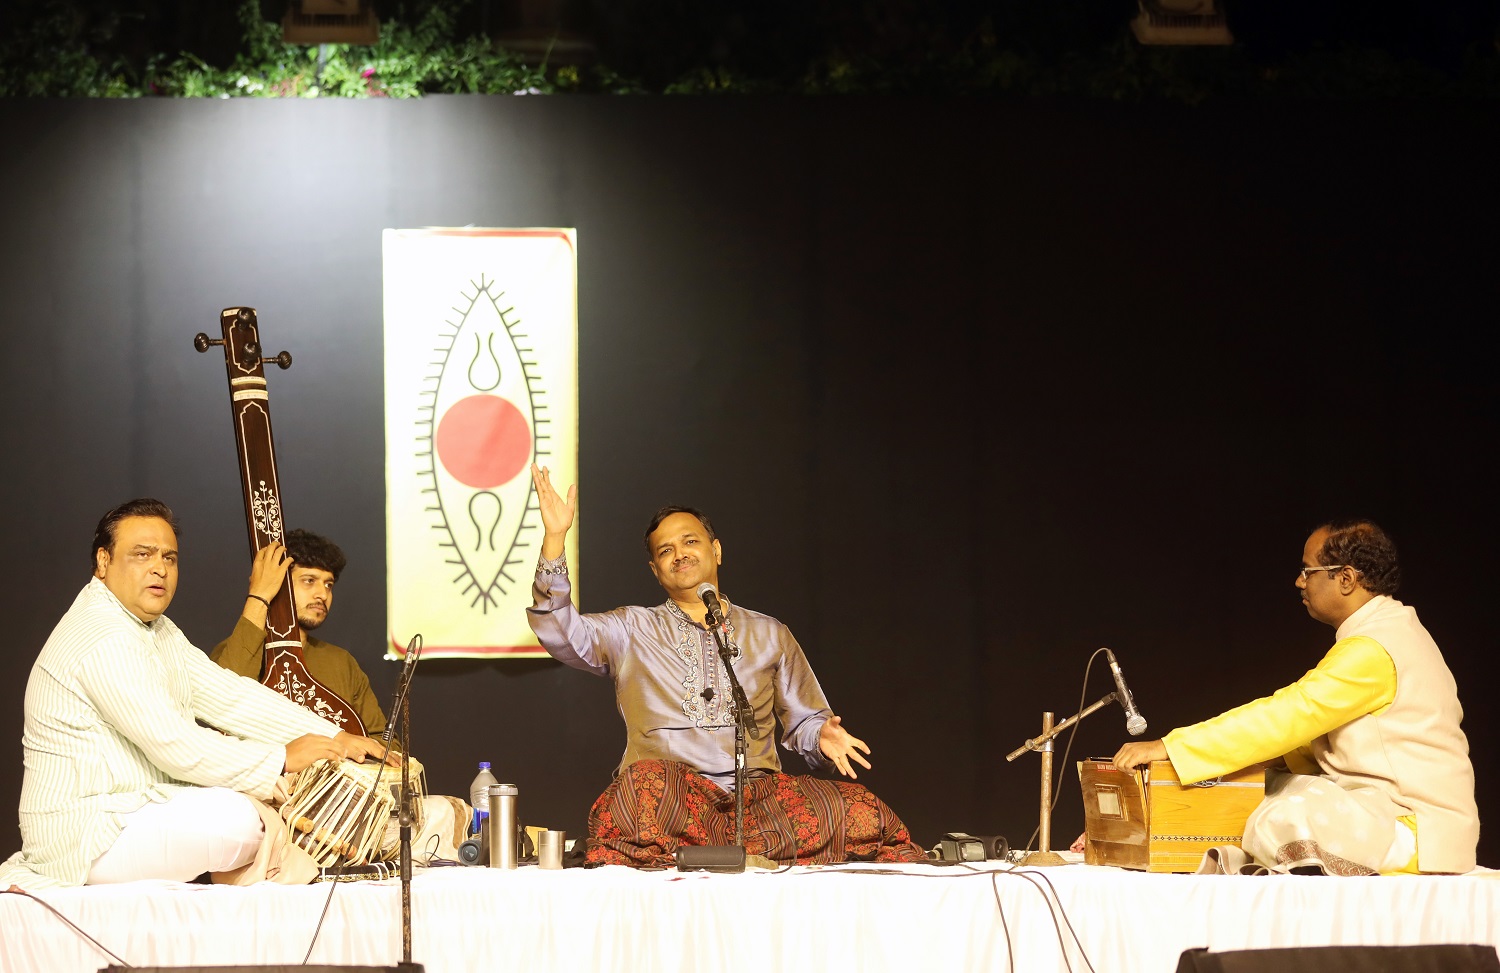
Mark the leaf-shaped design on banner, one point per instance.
(483, 423)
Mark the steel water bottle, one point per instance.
(503, 829)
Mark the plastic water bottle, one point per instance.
(479, 797)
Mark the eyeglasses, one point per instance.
(1330, 568)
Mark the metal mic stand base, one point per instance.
(728, 859)
(1044, 856)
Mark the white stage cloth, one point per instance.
(896, 918)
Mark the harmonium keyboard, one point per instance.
(1150, 820)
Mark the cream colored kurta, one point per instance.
(1379, 716)
(111, 711)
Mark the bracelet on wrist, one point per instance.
(259, 599)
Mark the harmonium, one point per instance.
(1150, 820)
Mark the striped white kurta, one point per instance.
(111, 723)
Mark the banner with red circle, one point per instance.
(481, 380)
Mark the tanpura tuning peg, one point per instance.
(282, 361)
(203, 342)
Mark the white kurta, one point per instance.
(111, 723)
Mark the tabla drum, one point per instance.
(341, 813)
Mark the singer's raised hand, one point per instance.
(1133, 755)
(844, 750)
(557, 514)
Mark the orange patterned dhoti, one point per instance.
(654, 807)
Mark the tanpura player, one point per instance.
(315, 564)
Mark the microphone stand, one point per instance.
(741, 718)
(1044, 855)
(726, 858)
(401, 709)
(405, 827)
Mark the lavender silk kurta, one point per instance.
(662, 663)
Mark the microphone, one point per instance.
(403, 685)
(1135, 723)
(710, 596)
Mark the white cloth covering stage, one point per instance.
(896, 918)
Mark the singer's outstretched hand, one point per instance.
(1133, 755)
(844, 750)
(557, 514)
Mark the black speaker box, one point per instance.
(1445, 958)
(711, 858)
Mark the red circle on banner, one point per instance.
(483, 440)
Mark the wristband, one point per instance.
(259, 599)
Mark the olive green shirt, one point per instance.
(244, 652)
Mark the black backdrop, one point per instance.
(970, 389)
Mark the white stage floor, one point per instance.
(896, 918)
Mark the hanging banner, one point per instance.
(481, 379)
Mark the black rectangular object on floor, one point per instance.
(1436, 958)
(711, 858)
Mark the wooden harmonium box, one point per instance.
(1150, 820)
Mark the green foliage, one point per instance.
(73, 48)
(53, 58)
(610, 83)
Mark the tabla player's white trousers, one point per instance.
(201, 829)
